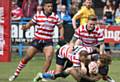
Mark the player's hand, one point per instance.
(23, 27)
(61, 37)
(96, 49)
(83, 68)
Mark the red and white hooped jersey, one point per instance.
(66, 52)
(45, 25)
(89, 39)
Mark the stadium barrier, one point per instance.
(20, 38)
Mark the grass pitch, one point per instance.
(35, 66)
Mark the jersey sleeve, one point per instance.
(93, 12)
(74, 59)
(77, 15)
(59, 21)
(34, 19)
(100, 35)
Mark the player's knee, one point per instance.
(27, 58)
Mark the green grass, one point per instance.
(35, 66)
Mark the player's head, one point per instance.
(14, 4)
(104, 59)
(83, 55)
(92, 21)
(88, 3)
(47, 6)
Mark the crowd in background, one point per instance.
(66, 9)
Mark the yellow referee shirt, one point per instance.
(83, 14)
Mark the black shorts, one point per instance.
(40, 44)
(63, 61)
(104, 70)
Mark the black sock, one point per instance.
(62, 74)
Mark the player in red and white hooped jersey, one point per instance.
(89, 38)
(45, 21)
(66, 57)
(71, 54)
(89, 35)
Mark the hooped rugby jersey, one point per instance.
(45, 25)
(89, 39)
(66, 52)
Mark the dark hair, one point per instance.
(83, 53)
(105, 59)
(46, 2)
(83, 56)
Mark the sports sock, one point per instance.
(62, 74)
(20, 67)
(51, 71)
(47, 76)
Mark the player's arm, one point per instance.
(75, 37)
(28, 25)
(102, 48)
(72, 42)
(91, 78)
(61, 31)
(101, 41)
(75, 17)
(93, 12)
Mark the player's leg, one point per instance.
(67, 64)
(59, 64)
(58, 72)
(31, 51)
(75, 72)
(104, 72)
(85, 80)
(59, 67)
(49, 76)
(48, 52)
(106, 60)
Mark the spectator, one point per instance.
(16, 12)
(39, 8)
(74, 7)
(108, 11)
(65, 2)
(19, 3)
(83, 13)
(117, 15)
(108, 17)
(73, 10)
(59, 4)
(64, 14)
(29, 7)
(76, 2)
(40, 2)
